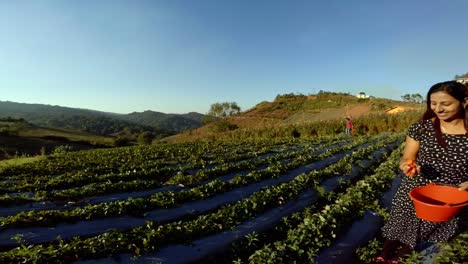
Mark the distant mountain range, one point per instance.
(101, 123)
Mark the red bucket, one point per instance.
(438, 203)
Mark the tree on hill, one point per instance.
(321, 92)
(290, 96)
(221, 111)
(462, 76)
(414, 98)
(12, 120)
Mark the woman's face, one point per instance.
(445, 106)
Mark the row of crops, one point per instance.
(268, 201)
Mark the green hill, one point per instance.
(101, 123)
(173, 123)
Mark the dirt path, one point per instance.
(359, 110)
(330, 114)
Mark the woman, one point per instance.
(436, 151)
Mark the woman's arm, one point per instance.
(463, 186)
(410, 153)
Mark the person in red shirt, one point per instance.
(349, 125)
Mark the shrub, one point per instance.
(62, 149)
(122, 141)
(145, 138)
(223, 126)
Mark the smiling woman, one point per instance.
(447, 109)
(436, 151)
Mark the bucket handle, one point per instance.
(449, 204)
(457, 204)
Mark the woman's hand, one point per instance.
(410, 168)
(463, 186)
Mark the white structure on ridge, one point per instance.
(362, 95)
(463, 80)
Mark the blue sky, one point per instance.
(180, 56)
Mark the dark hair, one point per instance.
(458, 91)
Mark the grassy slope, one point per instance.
(41, 132)
(18, 161)
(29, 139)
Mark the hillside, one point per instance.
(101, 123)
(291, 109)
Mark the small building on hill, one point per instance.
(362, 95)
(463, 80)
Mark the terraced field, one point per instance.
(277, 201)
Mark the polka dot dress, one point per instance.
(440, 165)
